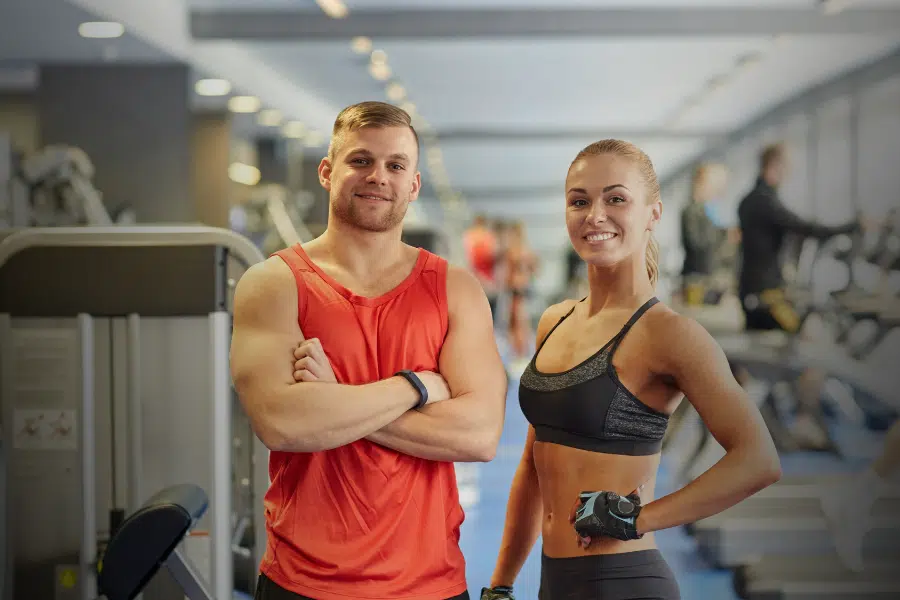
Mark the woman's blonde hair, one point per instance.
(648, 173)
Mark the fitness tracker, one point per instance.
(413, 379)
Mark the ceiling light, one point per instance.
(333, 8)
(395, 92)
(408, 107)
(314, 139)
(749, 59)
(380, 71)
(212, 87)
(245, 174)
(361, 45)
(833, 7)
(269, 118)
(717, 82)
(294, 129)
(101, 29)
(379, 57)
(244, 104)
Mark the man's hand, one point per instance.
(437, 387)
(312, 364)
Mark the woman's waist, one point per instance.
(559, 540)
(565, 473)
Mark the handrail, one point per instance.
(142, 235)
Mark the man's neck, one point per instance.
(362, 253)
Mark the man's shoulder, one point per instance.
(270, 277)
(461, 282)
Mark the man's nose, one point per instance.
(378, 174)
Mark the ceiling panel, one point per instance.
(47, 31)
(470, 4)
(556, 84)
(541, 165)
(792, 66)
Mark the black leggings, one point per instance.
(266, 589)
(643, 574)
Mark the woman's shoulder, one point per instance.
(551, 316)
(671, 333)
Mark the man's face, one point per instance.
(778, 170)
(372, 177)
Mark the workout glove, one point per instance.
(608, 514)
(499, 592)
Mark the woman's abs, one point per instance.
(566, 472)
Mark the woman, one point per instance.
(521, 265)
(607, 373)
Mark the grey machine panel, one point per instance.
(785, 527)
(818, 576)
(114, 347)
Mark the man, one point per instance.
(765, 222)
(399, 377)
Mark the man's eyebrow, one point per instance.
(395, 156)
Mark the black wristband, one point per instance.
(416, 383)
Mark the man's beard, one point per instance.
(353, 214)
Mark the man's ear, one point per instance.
(325, 173)
(416, 187)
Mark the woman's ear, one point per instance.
(655, 215)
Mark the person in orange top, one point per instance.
(481, 250)
(367, 367)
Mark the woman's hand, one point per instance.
(605, 514)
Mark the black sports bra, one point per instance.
(587, 407)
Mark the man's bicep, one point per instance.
(265, 330)
(470, 361)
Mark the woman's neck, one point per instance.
(622, 286)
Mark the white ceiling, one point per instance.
(633, 86)
(35, 31)
(510, 112)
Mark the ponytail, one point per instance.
(653, 260)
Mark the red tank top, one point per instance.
(362, 520)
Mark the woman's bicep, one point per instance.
(702, 373)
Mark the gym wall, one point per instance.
(843, 138)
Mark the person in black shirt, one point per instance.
(765, 223)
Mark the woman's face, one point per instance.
(607, 215)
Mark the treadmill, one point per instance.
(819, 576)
(787, 522)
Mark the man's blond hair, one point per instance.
(368, 114)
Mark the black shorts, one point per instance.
(643, 574)
(266, 589)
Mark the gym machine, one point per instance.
(115, 382)
(52, 188)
